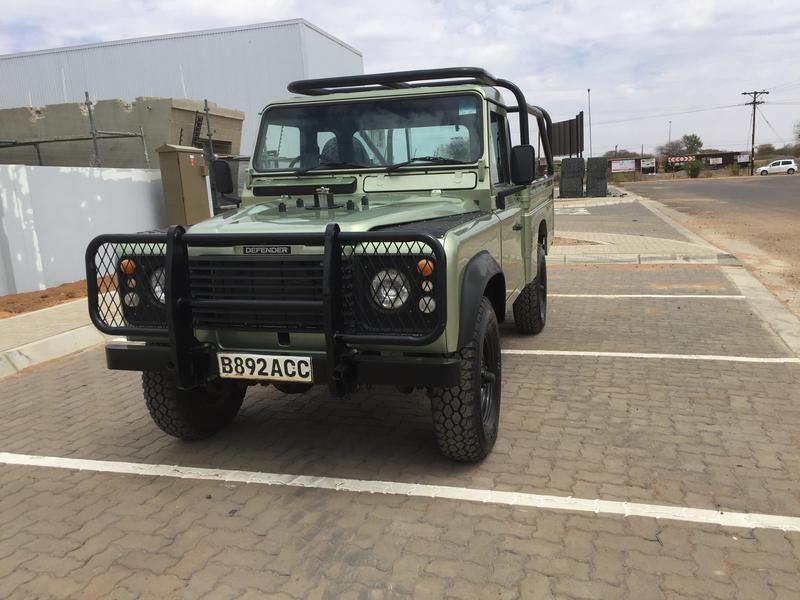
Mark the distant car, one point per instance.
(779, 166)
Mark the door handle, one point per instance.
(517, 227)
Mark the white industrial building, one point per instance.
(241, 68)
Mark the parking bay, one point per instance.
(642, 415)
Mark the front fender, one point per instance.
(482, 273)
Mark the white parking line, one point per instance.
(655, 355)
(542, 501)
(660, 296)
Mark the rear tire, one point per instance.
(466, 417)
(530, 307)
(191, 414)
(790, 172)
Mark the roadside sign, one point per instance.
(648, 163)
(623, 166)
(717, 160)
(680, 159)
(743, 158)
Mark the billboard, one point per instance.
(623, 166)
(717, 160)
(648, 163)
(743, 158)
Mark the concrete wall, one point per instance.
(163, 120)
(49, 214)
(241, 67)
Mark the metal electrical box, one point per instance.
(184, 179)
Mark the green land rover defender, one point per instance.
(387, 225)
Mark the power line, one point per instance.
(755, 95)
(661, 115)
(763, 116)
(782, 86)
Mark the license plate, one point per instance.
(238, 365)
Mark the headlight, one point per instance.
(158, 284)
(389, 289)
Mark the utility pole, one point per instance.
(669, 148)
(754, 102)
(589, 95)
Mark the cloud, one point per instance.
(638, 58)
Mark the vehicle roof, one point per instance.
(485, 91)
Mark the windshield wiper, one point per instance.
(324, 165)
(439, 160)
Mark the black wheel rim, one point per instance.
(489, 375)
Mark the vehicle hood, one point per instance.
(265, 217)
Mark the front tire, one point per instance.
(530, 307)
(191, 414)
(763, 172)
(466, 417)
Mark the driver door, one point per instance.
(510, 216)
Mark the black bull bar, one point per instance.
(349, 317)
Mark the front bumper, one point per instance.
(172, 325)
(415, 371)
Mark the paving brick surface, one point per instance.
(638, 279)
(211, 540)
(625, 219)
(674, 326)
(683, 433)
(673, 432)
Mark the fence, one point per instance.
(49, 214)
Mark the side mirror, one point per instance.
(223, 180)
(523, 164)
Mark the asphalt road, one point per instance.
(755, 218)
(775, 195)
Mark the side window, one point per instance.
(498, 149)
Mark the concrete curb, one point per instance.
(15, 360)
(644, 259)
(780, 319)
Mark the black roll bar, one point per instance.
(404, 79)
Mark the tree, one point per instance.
(765, 150)
(621, 153)
(692, 143)
(671, 149)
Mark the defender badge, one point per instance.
(271, 250)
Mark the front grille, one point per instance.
(286, 278)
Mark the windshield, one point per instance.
(376, 133)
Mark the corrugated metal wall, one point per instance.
(241, 67)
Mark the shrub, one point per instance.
(732, 169)
(693, 168)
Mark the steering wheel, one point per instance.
(294, 161)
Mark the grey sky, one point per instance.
(639, 58)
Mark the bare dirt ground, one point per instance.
(15, 304)
(756, 219)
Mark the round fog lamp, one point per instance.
(427, 305)
(389, 289)
(131, 299)
(158, 284)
